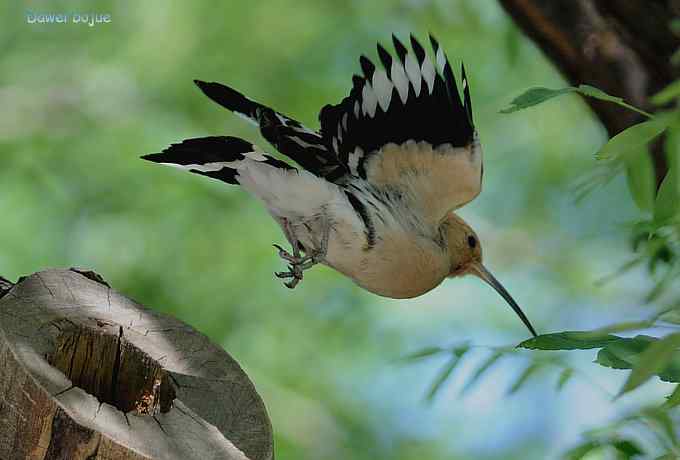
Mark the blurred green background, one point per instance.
(80, 104)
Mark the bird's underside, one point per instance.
(387, 166)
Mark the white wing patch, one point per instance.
(246, 118)
(441, 60)
(304, 144)
(370, 100)
(400, 80)
(207, 167)
(428, 73)
(413, 72)
(383, 89)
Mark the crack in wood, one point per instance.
(116, 365)
(86, 340)
(59, 393)
(45, 284)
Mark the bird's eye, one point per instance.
(472, 241)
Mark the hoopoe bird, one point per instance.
(378, 184)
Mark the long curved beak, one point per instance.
(479, 270)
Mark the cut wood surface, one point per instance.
(86, 373)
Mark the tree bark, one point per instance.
(86, 373)
(623, 47)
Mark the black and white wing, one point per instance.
(289, 136)
(405, 127)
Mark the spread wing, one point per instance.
(289, 136)
(405, 127)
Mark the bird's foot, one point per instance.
(291, 273)
(296, 267)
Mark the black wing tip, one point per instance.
(385, 57)
(210, 88)
(205, 86)
(366, 66)
(399, 48)
(153, 157)
(433, 41)
(417, 48)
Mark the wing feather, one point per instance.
(406, 127)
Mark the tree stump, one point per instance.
(86, 373)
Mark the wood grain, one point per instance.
(86, 373)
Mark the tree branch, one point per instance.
(620, 46)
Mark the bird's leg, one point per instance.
(295, 259)
(299, 263)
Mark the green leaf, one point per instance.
(423, 353)
(619, 271)
(660, 419)
(445, 373)
(534, 96)
(626, 353)
(667, 203)
(569, 340)
(631, 140)
(623, 353)
(580, 451)
(537, 95)
(667, 94)
(641, 178)
(461, 350)
(481, 370)
(653, 361)
(524, 376)
(627, 447)
(564, 377)
(674, 398)
(674, 26)
(670, 315)
(667, 456)
(597, 93)
(663, 284)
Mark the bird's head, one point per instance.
(465, 255)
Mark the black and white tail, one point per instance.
(290, 137)
(285, 191)
(219, 157)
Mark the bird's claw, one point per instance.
(295, 259)
(295, 272)
(298, 263)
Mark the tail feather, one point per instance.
(231, 99)
(290, 137)
(218, 157)
(283, 189)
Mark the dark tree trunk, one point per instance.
(620, 46)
